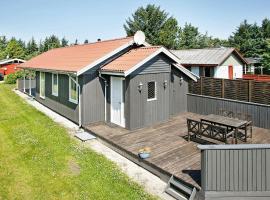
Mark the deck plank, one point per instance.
(170, 151)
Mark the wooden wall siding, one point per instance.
(60, 104)
(242, 90)
(235, 172)
(206, 105)
(142, 112)
(159, 64)
(93, 99)
(178, 91)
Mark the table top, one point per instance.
(227, 121)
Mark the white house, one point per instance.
(221, 62)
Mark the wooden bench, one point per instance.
(198, 128)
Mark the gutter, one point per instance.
(105, 95)
(79, 99)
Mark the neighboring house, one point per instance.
(221, 62)
(252, 64)
(8, 66)
(122, 81)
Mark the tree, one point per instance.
(64, 42)
(266, 55)
(266, 28)
(3, 45)
(31, 49)
(14, 49)
(86, 41)
(50, 43)
(159, 29)
(189, 37)
(248, 38)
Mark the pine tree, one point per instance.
(64, 42)
(159, 29)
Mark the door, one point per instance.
(230, 72)
(42, 85)
(117, 101)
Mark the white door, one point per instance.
(117, 101)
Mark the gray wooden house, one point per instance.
(123, 81)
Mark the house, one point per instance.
(252, 64)
(221, 62)
(122, 81)
(8, 66)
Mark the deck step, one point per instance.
(178, 190)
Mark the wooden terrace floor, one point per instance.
(171, 153)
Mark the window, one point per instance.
(42, 85)
(151, 91)
(73, 93)
(55, 84)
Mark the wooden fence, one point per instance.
(235, 171)
(239, 89)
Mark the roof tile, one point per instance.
(75, 58)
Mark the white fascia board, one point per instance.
(187, 72)
(11, 60)
(105, 57)
(113, 73)
(169, 54)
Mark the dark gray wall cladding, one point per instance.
(206, 105)
(159, 64)
(61, 103)
(178, 91)
(236, 173)
(142, 112)
(93, 98)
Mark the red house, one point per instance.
(8, 66)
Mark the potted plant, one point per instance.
(144, 152)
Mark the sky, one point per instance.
(86, 19)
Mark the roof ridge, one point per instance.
(91, 43)
(209, 48)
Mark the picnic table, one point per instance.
(229, 123)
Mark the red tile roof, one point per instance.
(75, 58)
(130, 59)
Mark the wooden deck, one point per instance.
(171, 153)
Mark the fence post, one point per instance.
(222, 88)
(250, 90)
(201, 85)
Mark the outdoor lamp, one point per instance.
(140, 87)
(181, 80)
(165, 83)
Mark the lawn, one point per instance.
(39, 160)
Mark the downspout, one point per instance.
(79, 100)
(24, 81)
(105, 91)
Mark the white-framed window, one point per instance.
(55, 84)
(42, 85)
(151, 91)
(73, 91)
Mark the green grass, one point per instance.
(39, 160)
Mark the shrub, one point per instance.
(12, 78)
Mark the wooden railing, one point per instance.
(239, 89)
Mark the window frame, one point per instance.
(155, 98)
(69, 91)
(55, 93)
(40, 84)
